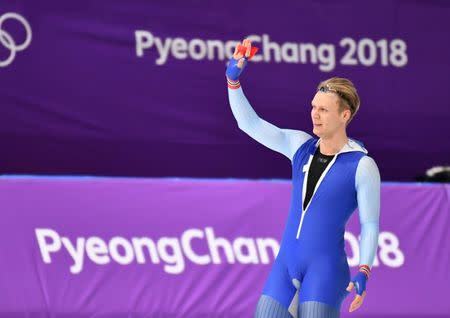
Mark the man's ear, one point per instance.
(346, 114)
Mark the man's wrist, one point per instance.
(365, 269)
(233, 84)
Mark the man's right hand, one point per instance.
(238, 61)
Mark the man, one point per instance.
(331, 176)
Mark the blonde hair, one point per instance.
(344, 88)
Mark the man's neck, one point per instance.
(334, 144)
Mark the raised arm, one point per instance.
(285, 141)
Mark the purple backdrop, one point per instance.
(138, 88)
(97, 220)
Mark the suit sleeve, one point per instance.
(284, 141)
(368, 186)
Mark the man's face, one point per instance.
(325, 115)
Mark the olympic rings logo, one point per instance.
(7, 40)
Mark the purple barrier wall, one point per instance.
(102, 247)
(126, 88)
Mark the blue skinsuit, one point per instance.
(312, 249)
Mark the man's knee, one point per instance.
(315, 309)
(268, 307)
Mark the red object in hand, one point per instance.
(242, 49)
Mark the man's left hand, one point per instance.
(359, 283)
